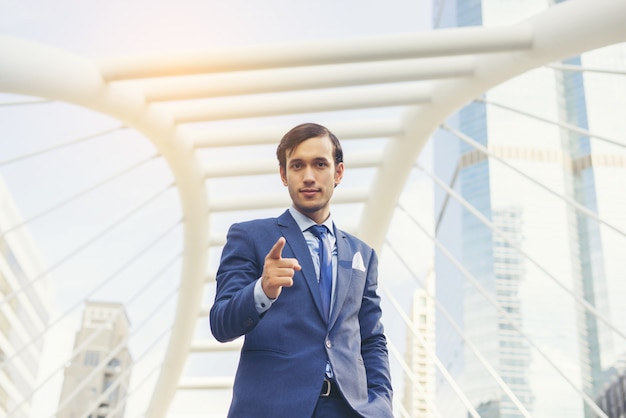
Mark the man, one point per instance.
(300, 357)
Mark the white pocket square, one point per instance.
(357, 262)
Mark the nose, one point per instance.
(308, 175)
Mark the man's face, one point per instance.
(311, 176)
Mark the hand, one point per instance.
(278, 271)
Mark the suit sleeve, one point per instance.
(233, 313)
(374, 343)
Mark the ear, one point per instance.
(338, 173)
(283, 176)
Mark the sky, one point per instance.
(113, 28)
(124, 27)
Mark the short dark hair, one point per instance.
(300, 134)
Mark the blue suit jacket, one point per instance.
(283, 359)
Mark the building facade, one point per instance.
(612, 399)
(96, 382)
(539, 259)
(419, 390)
(24, 310)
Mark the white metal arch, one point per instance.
(550, 36)
(158, 95)
(37, 70)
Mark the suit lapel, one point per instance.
(344, 274)
(298, 246)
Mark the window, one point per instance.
(92, 358)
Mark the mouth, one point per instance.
(309, 192)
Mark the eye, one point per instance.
(296, 165)
(322, 164)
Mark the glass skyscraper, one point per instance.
(521, 300)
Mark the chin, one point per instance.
(309, 208)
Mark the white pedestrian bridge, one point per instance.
(136, 209)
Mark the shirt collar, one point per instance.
(304, 222)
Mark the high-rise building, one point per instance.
(546, 346)
(612, 398)
(98, 377)
(23, 311)
(419, 391)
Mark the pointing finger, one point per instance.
(277, 249)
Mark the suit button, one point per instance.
(248, 322)
(328, 344)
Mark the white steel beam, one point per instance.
(204, 110)
(281, 200)
(304, 78)
(242, 136)
(212, 346)
(206, 383)
(220, 169)
(495, 55)
(448, 42)
(556, 35)
(37, 70)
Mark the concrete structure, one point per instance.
(183, 104)
(24, 311)
(96, 381)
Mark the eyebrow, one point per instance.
(314, 159)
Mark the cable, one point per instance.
(577, 68)
(114, 352)
(582, 302)
(409, 373)
(94, 334)
(80, 194)
(433, 356)
(86, 244)
(498, 379)
(588, 401)
(122, 377)
(99, 286)
(567, 126)
(25, 102)
(572, 202)
(62, 145)
(122, 405)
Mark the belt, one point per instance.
(329, 389)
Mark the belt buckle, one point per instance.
(325, 393)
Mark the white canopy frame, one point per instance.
(158, 95)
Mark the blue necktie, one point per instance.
(326, 268)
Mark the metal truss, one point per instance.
(173, 99)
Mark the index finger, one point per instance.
(277, 249)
